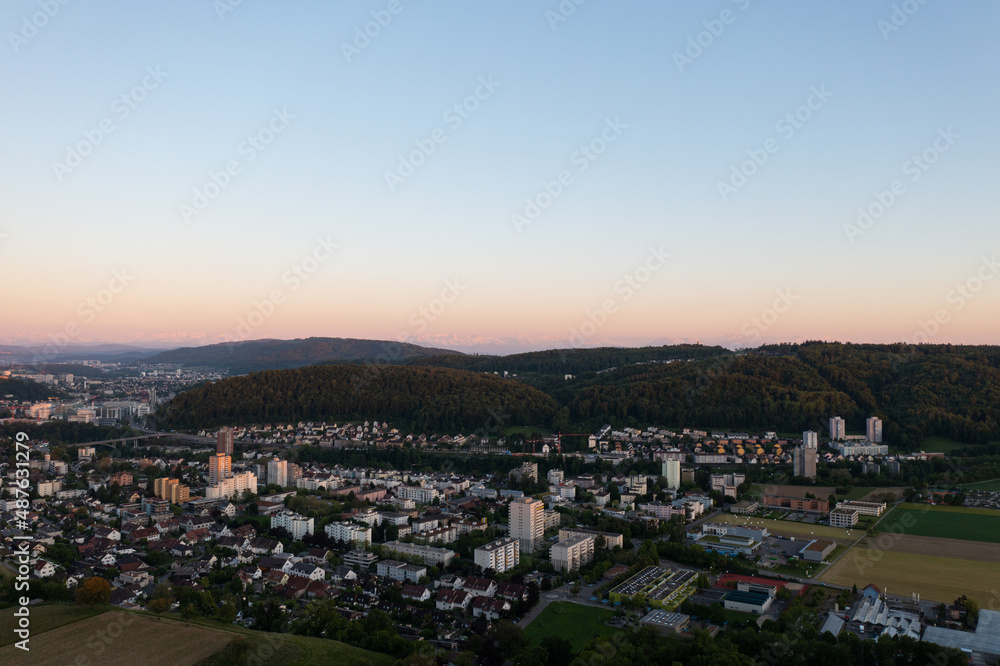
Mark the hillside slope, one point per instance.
(421, 399)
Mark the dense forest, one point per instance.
(417, 399)
(918, 391)
(571, 361)
(26, 390)
(254, 355)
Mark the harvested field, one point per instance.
(934, 578)
(942, 547)
(115, 638)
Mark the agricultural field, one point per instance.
(940, 579)
(941, 547)
(112, 638)
(788, 528)
(44, 618)
(950, 522)
(992, 484)
(63, 634)
(574, 622)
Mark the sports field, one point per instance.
(940, 579)
(789, 528)
(951, 522)
(574, 622)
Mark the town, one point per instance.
(282, 525)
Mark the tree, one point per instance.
(158, 606)
(93, 591)
(558, 649)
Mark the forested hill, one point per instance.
(918, 391)
(23, 389)
(571, 361)
(417, 399)
(253, 355)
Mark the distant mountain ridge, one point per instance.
(255, 355)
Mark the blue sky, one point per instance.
(345, 121)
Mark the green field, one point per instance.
(992, 484)
(950, 522)
(940, 445)
(574, 622)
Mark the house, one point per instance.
(233, 542)
(480, 587)
(491, 609)
(147, 533)
(106, 532)
(316, 555)
(447, 600)
(130, 563)
(265, 546)
(276, 577)
(245, 532)
(196, 535)
(43, 569)
(871, 592)
(343, 575)
(512, 591)
(416, 593)
(307, 570)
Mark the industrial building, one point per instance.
(817, 550)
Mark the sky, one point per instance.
(499, 177)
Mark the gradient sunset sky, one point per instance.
(824, 105)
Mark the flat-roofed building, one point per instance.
(666, 622)
(573, 552)
(606, 540)
(844, 517)
(499, 555)
(864, 508)
(527, 522)
(426, 554)
(817, 550)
